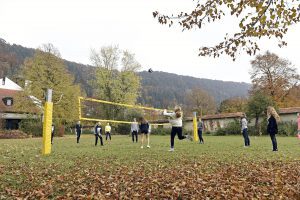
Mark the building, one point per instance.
(289, 114)
(10, 116)
(213, 122)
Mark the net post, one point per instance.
(195, 126)
(46, 149)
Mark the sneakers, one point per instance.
(171, 150)
(148, 146)
(189, 137)
(142, 147)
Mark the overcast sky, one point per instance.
(76, 26)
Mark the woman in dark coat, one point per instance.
(272, 129)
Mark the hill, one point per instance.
(158, 88)
(161, 88)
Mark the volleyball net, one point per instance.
(96, 110)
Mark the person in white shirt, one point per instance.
(134, 130)
(245, 130)
(107, 131)
(176, 122)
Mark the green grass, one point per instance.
(21, 159)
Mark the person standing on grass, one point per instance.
(78, 130)
(107, 131)
(272, 128)
(144, 128)
(98, 133)
(176, 122)
(134, 130)
(244, 130)
(52, 133)
(200, 130)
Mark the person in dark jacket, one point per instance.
(78, 130)
(98, 133)
(272, 129)
(144, 128)
(52, 133)
(200, 129)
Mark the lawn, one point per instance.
(220, 168)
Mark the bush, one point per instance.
(32, 127)
(287, 128)
(12, 134)
(123, 129)
(284, 128)
(232, 128)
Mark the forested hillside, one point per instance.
(159, 89)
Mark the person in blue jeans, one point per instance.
(244, 130)
(272, 128)
(200, 130)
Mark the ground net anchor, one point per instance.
(47, 123)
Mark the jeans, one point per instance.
(200, 136)
(78, 136)
(52, 135)
(274, 142)
(178, 131)
(96, 139)
(134, 133)
(108, 135)
(246, 137)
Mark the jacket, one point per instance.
(272, 126)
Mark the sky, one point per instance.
(77, 26)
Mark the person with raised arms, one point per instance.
(176, 122)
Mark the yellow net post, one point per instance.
(47, 123)
(195, 127)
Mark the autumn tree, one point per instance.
(116, 79)
(235, 104)
(257, 106)
(47, 70)
(256, 19)
(200, 101)
(273, 76)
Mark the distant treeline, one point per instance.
(159, 89)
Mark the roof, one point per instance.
(6, 83)
(7, 93)
(289, 110)
(12, 109)
(223, 115)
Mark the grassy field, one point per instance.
(221, 168)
